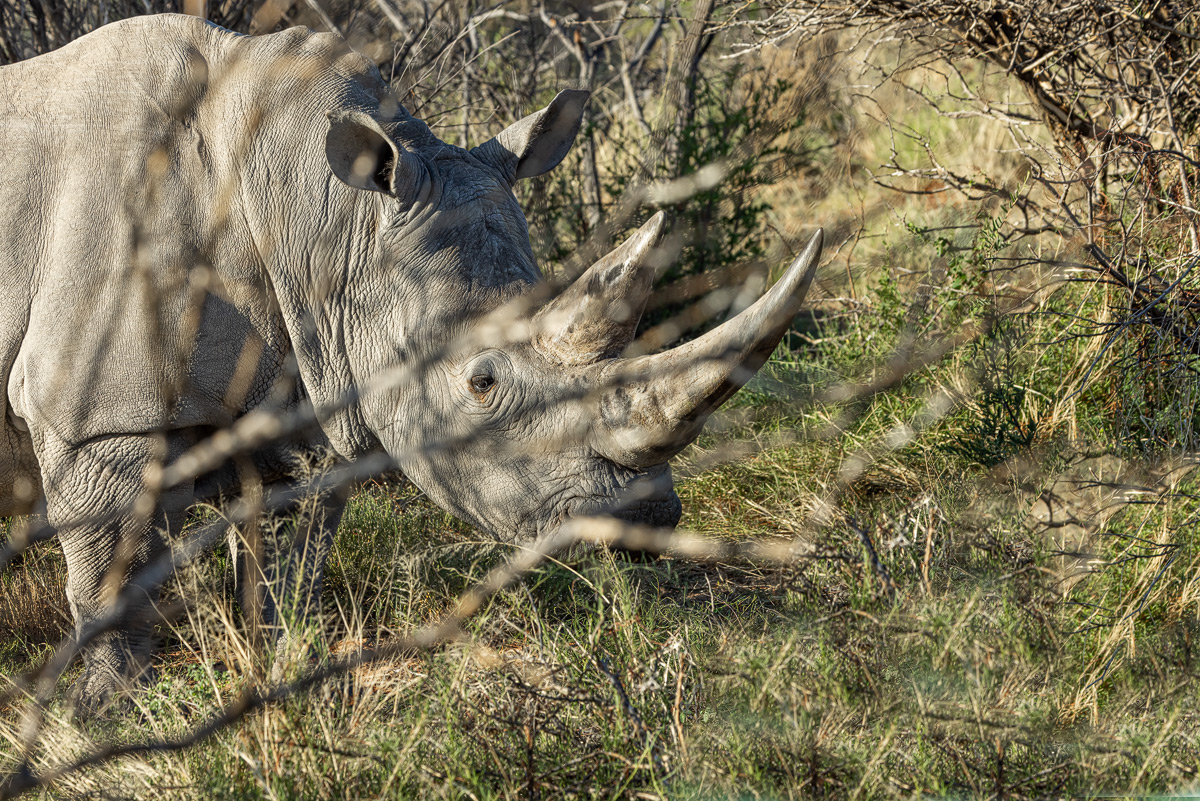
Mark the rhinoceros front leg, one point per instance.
(114, 550)
(280, 580)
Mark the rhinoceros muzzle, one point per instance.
(649, 499)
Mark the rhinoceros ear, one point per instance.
(540, 141)
(363, 156)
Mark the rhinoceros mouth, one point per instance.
(648, 498)
(660, 512)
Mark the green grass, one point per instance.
(973, 673)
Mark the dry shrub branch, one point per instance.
(1101, 109)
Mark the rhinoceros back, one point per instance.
(122, 184)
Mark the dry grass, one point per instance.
(33, 607)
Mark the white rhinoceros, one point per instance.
(196, 226)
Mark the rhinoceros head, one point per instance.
(517, 412)
(535, 417)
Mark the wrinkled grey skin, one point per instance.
(161, 164)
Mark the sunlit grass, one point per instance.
(603, 677)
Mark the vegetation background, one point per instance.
(945, 544)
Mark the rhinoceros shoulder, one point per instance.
(206, 143)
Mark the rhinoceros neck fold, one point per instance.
(366, 281)
(315, 237)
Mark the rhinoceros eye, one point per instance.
(482, 382)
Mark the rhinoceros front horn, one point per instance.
(652, 407)
(597, 315)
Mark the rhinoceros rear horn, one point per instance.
(597, 315)
(653, 406)
(537, 143)
(362, 155)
